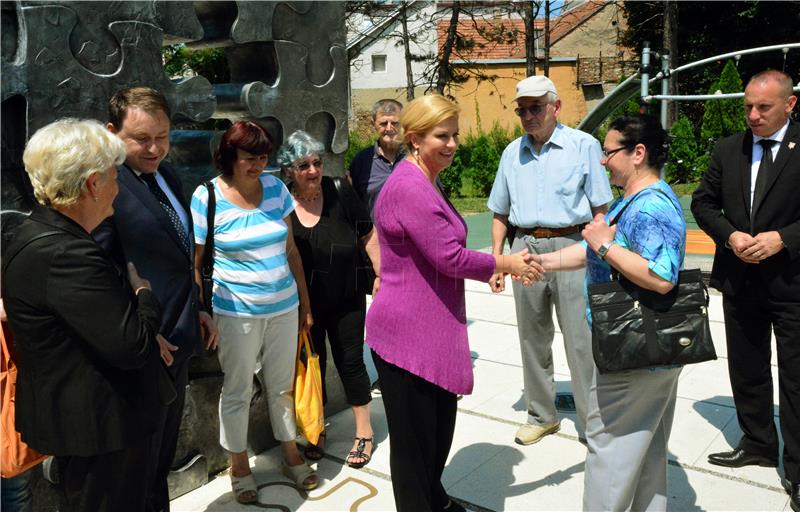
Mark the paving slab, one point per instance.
(487, 471)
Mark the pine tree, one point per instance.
(681, 165)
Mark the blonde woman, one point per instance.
(416, 325)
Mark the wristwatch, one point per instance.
(603, 249)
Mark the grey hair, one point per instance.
(61, 156)
(298, 145)
(552, 98)
(386, 106)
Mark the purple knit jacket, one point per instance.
(418, 319)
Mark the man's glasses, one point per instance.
(608, 153)
(305, 166)
(533, 110)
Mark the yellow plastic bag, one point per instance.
(308, 391)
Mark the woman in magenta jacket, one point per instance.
(416, 325)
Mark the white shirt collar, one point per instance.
(777, 136)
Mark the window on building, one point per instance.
(379, 63)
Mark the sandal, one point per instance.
(315, 451)
(244, 488)
(302, 475)
(359, 453)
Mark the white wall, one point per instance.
(361, 75)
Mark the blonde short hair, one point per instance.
(61, 156)
(424, 113)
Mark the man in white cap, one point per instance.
(548, 186)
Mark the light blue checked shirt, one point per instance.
(554, 188)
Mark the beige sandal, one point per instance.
(302, 475)
(242, 485)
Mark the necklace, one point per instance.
(308, 199)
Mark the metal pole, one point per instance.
(645, 73)
(664, 88)
(664, 102)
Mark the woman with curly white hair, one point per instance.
(90, 381)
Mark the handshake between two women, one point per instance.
(522, 266)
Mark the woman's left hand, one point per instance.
(597, 232)
(376, 285)
(306, 320)
(208, 330)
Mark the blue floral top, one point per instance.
(653, 226)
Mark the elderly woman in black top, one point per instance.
(91, 384)
(329, 223)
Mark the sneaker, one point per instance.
(529, 434)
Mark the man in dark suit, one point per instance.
(152, 227)
(747, 203)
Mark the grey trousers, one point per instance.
(534, 305)
(630, 418)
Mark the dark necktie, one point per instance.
(761, 177)
(150, 180)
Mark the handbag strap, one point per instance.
(337, 183)
(207, 269)
(615, 274)
(304, 340)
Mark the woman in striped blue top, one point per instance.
(258, 285)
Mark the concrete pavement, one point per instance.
(487, 471)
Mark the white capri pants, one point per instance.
(243, 342)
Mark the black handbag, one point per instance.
(207, 269)
(365, 275)
(635, 328)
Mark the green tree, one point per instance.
(681, 165)
(209, 62)
(721, 117)
(713, 28)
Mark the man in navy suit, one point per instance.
(747, 202)
(152, 227)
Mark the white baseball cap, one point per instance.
(534, 86)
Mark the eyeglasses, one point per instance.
(533, 110)
(608, 153)
(305, 166)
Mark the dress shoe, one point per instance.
(529, 434)
(737, 458)
(794, 495)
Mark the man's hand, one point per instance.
(166, 348)
(597, 232)
(763, 246)
(208, 330)
(498, 282)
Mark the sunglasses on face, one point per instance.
(533, 110)
(305, 166)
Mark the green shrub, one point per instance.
(482, 165)
(682, 162)
(451, 178)
(356, 142)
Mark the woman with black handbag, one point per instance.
(631, 411)
(337, 243)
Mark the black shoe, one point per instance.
(737, 458)
(794, 495)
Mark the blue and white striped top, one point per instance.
(251, 277)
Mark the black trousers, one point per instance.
(165, 439)
(344, 325)
(112, 482)
(421, 418)
(750, 316)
